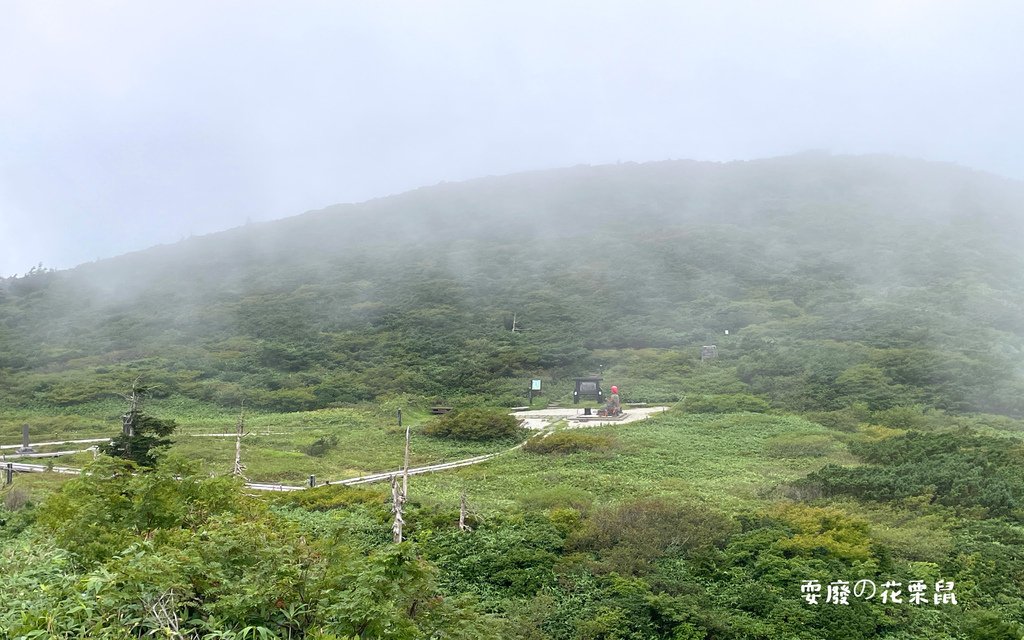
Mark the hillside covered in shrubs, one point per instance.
(874, 281)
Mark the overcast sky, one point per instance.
(128, 124)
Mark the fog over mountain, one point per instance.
(904, 271)
(127, 125)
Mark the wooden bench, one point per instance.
(438, 411)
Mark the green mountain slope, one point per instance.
(840, 280)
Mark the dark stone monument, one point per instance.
(25, 448)
(588, 387)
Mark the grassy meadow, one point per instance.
(278, 447)
(732, 459)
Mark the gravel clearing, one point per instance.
(542, 418)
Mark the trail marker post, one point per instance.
(25, 447)
(239, 468)
(405, 468)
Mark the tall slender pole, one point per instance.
(405, 468)
(239, 432)
(128, 419)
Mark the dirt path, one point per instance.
(575, 418)
(386, 475)
(51, 444)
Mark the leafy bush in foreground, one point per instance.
(173, 553)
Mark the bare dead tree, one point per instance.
(400, 495)
(239, 468)
(397, 507)
(462, 514)
(134, 400)
(165, 613)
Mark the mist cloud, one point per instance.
(128, 124)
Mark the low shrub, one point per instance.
(326, 498)
(846, 419)
(558, 496)
(729, 403)
(475, 424)
(808, 445)
(16, 498)
(565, 442)
(630, 536)
(321, 446)
(960, 469)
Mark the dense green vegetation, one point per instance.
(862, 419)
(678, 531)
(954, 469)
(475, 424)
(171, 550)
